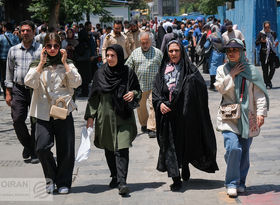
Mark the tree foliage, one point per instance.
(69, 10)
(203, 6)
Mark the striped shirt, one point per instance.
(5, 45)
(145, 65)
(18, 61)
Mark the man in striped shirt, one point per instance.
(18, 96)
(145, 61)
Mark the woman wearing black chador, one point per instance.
(184, 130)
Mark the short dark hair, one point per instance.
(118, 22)
(169, 29)
(43, 28)
(8, 26)
(266, 22)
(52, 36)
(87, 23)
(29, 23)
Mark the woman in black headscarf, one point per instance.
(184, 129)
(115, 92)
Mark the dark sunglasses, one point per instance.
(50, 46)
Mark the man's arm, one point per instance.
(9, 77)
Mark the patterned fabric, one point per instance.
(171, 77)
(18, 62)
(145, 65)
(4, 44)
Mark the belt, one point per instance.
(21, 86)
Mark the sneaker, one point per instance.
(25, 153)
(241, 189)
(63, 190)
(123, 189)
(114, 183)
(232, 192)
(34, 160)
(152, 134)
(50, 188)
(144, 129)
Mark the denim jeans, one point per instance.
(237, 159)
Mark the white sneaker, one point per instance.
(63, 190)
(241, 189)
(50, 188)
(232, 192)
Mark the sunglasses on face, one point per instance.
(50, 46)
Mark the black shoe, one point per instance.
(114, 183)
(25, 153)
(186, 173)
(144, 129)
(34, 160)
(176, 186)
(152, 134)
(123, 189)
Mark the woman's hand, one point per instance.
(43, 60)
(128, 96)
(236, 70)
(43, 57)
(90, 122)
(64, 56)
(260, 120)
(164, 109)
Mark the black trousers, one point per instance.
(84, 68)
(268, 68)
(21, 98)
(3, 75)
(59, 172)
(118, 163)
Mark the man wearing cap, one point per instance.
(231, 33)
(117, 37)
(134, 33)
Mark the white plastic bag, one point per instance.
(84, 148)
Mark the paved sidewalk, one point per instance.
(147, 185)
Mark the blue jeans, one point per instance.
(237, 159)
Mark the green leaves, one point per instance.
(70, 10)
(204, 6)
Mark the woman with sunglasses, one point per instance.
(240, 83)
(54, 77)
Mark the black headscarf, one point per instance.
(117, 80)
(185, 135)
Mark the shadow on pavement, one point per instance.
(99, 188)
(202, 184)
(261, 189)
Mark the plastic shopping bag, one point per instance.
(84, 148)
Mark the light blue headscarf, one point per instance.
(252, 74)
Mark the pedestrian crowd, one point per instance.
(151, 66)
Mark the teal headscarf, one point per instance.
(252, 74)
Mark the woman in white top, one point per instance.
(52, 78)
(233, 78)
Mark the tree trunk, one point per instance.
(88, 15)
(54, 15)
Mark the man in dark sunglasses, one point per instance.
(18, 96)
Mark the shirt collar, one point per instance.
(33, 45)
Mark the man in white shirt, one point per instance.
(231, 33)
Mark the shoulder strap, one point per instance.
(242, 89)
(8, 40)
(46, 90)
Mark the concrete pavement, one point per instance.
(147, 185)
